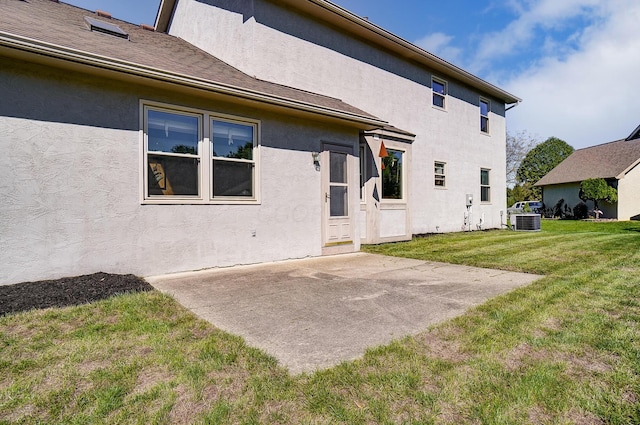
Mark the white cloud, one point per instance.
(440, 44)
(589, 96)
(532, 17)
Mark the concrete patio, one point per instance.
(317, 312)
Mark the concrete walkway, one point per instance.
(315, 313)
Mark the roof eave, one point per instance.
(163, 16)
(37, 47)
(626, 171)
(354, 24)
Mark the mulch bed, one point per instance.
(67, 291)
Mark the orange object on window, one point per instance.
(383, 151)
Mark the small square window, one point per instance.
(485, 108)
(485, 186)
(439, 173)
(439, 89)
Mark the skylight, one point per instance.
(106, 28)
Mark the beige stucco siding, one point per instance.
(282, 46)
(70, 182)
(629, 195)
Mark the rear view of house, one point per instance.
(446, 145)
(235, 133)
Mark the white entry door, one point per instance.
(338, 227)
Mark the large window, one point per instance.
(485, 108)
(439, 174)
(198, 157)
(485, 186)
(439, 88)
(392, 178)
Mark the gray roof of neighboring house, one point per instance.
(59, 30)
(609, 160)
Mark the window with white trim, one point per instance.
(485, 108)
(439, 174)
(194, 156)
(485, 185)
(392, 175)
(439, 88)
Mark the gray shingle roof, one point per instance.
(64, 25)
(609, 160)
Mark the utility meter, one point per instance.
(469, 199)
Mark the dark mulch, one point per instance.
(67, 291)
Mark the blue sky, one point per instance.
(575, 63)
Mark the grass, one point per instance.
(563, 350)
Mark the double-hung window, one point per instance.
(196, 157)
(233, 164)
(439, 88)
(485, 108)
(173, 154)
(485, 186)
(439, 174)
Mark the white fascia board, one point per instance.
(402, 45)
(38, 47)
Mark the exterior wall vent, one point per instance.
(526, 222)
(106, 28)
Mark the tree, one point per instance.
(540, 160)
(516, 193)
(518, 146)
(597, 190)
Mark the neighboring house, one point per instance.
(131, 150)
(616, 162)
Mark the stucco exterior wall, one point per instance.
(70, 175)
(629, 195)
(283, 46)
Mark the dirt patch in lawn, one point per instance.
(67, 291)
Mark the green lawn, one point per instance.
(563, 350)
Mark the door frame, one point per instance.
(329, 248)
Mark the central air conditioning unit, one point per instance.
(526, 222)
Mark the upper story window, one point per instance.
(392, 175)
(439, 173)
(485, 108)
(196, 157)
(485, 185)
(439, 88)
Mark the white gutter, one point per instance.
(459, 72)
(78, 56)
(166, 8)
(513, 105)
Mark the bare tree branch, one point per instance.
(518, 145)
